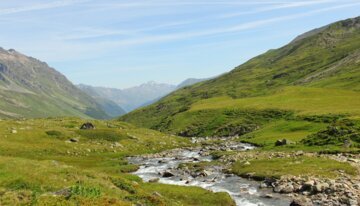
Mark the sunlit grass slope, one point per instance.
(316, 74)
(302, 100)
(53, 162)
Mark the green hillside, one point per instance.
(30, 88)
(315, 78)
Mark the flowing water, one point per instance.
(243, 191)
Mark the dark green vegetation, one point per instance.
(53, 162)
(336, 134)
(315, 75)
(30, 88)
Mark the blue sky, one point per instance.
(125, 43)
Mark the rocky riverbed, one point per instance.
(308, 191)
(196, 167)
(170, 168)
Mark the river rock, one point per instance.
(204, 173)
(64, 192)
(157, 194)
(284, 188)
(308, 186)
(299, 153)
(289, 188)
(247, 163)
(168, 174)
(154, 180)
(301, 201)
(268, 196)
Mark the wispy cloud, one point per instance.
(88, 33)
(217, 31)
(287, 5)
(275, 5)
(185, 3)
(35, 7)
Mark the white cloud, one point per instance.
(51, 5)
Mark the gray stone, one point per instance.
(301, 201)
(287, 189)
(247, 163)
(154, 180)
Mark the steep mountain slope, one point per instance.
(30, 88)
(109, 107)
(316, 74)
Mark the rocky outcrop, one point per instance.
(317, 191)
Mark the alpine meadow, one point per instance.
(280, 129)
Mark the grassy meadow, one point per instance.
(52, 162)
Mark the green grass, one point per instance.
(191, 196)
(291, 130)
(301, 166)
(103, 134)
(302, 100)
(38, 160)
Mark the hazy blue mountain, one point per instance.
(134, 97)
(130, 98)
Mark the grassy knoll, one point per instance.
(299, 166)
(291, 130)
(50, 161)
(302, 100)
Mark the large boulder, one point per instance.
(87, 126)
(281, 142)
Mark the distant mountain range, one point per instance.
(30, 88)
(132, 98)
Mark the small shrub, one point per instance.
(20, 184)
(330, 118)
(85, 191)
(121, 184)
